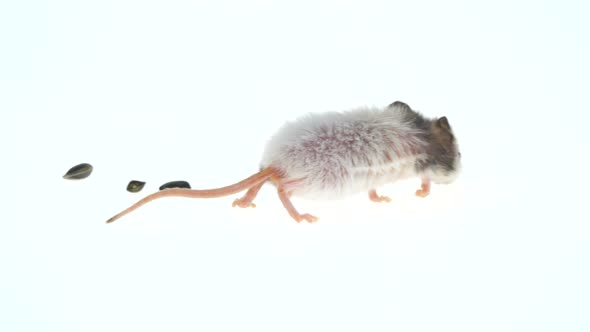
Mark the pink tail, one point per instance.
(253, 180)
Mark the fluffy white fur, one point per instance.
(331, 155)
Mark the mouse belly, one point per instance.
(339, 183)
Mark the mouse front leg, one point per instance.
(246, 200)
(284, 196)
(425, 190)
(376, 198)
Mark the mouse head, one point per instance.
(445, 158)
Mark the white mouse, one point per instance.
(331, 155)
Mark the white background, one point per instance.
(186, 90)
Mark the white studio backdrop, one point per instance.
(188, 90)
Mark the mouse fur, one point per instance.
(335, 154)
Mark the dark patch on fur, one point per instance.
(443, 134)
(441, 150)
(443, 123)
(436, 132)
(400, 105)
(436, 158)
(412, 117)
(418, 121)
(421, 165)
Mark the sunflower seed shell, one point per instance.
(78, 172)
(175, 184)
(135, 186)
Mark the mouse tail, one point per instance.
(251, 181)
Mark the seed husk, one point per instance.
(78, 172)
(175, 184)
(135, 186)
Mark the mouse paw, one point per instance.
(422, 193)
(381, 199)
(424, 188)
(376, 198)
(243, 203)
(307, 217)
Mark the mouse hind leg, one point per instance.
(284, 192)
(284, 195)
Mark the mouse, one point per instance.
(332, 155)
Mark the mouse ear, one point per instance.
(443, 123)
(400, 106)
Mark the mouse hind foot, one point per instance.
(246, 200)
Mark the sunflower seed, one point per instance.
(135, 186)
(175, 184)
(78, 172)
